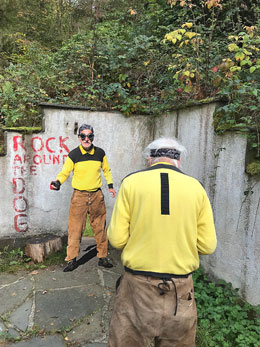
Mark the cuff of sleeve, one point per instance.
(110, 186)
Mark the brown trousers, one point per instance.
(141, 315)
(83, 202)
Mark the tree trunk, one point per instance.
(40, 248)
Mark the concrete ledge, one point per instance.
(20, 242)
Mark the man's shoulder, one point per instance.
(132, 176)
(76, 149)
(74, 153)
(154, 168)
(99, 154)
(99, 150)
(141, 174)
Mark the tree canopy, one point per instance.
(133, 56)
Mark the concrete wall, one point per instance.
(31, 162)
(217, 161)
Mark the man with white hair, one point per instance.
(162, 220)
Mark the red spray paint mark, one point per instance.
(20, 222)
(49, 152)
(19, 185)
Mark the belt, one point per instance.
(156, 274)
(87, 191)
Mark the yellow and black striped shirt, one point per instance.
(86, 167)
(162, 219)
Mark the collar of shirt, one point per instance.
(163, 162)
(83, 151)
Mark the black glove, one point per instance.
(56, 184)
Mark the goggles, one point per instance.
(165, 152)
(89, 136)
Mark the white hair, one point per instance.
(164, 142)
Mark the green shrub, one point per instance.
(146, 59)
(224, 319)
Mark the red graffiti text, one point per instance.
(26, 161)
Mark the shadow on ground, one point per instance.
(91, 253)
(48, 307)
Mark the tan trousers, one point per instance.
(141, 315)
(83, 202)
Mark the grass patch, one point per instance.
(15, 260)
(5, 336)
(224, 319)
(34, 331)
(88, 230)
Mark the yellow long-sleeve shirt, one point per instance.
(162, 219)
(86, 167)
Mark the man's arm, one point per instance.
(108, 176)
(207, 240)
(119, 227)
(63, 175)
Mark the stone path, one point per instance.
(48, 307)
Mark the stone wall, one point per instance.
(29, 207)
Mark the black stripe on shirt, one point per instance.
(165, 193)
(76, 156)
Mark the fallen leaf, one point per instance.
(132, 12)
(66, 338)
(34, 273)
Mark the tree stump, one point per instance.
(41, 247)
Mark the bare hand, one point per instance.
(112, 191)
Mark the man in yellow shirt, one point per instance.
(162, 220)
(86, 162)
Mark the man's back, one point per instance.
(163, 219)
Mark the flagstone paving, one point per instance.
(48, 307)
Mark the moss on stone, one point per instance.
(24, 130)
(2, 150)
(253, 168)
